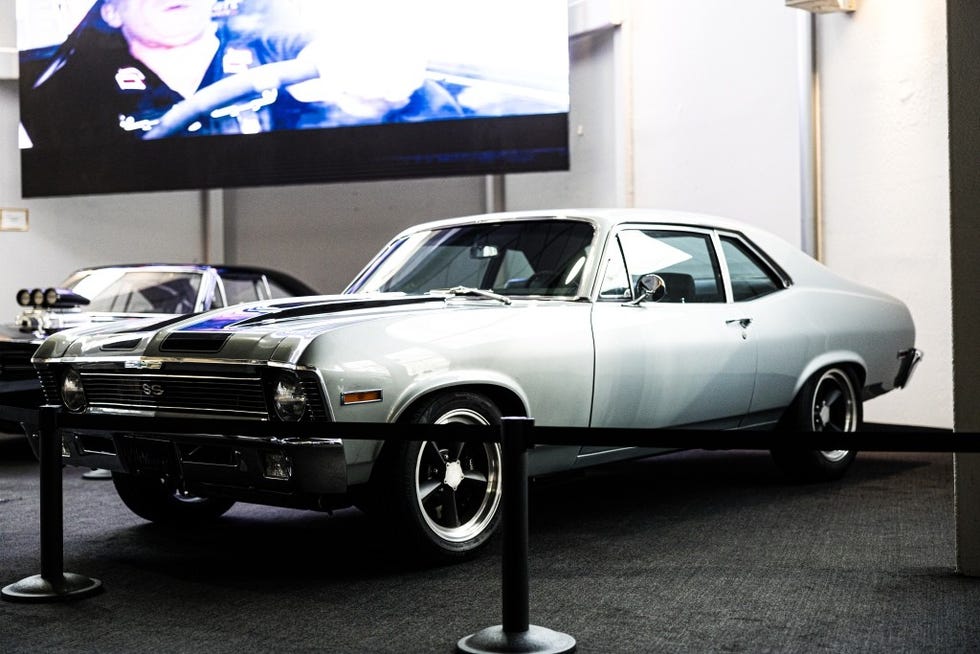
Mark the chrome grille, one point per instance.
(241, 396)
(315, 408)
(49, 384)
(15, 361)
(210, 392)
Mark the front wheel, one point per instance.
(446, 494)
(828, 402)
(151, 499)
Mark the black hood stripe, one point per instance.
(334, 306)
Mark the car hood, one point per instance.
(275, 331)
(13, 334)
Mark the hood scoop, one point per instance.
(194, 342)
(121, 346)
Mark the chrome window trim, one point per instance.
(613, 237)
(777, 271)
(588, 268)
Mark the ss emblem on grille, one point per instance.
(153, 390)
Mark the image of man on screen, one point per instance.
(138, 69)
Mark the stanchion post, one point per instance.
(516, 634)
(53, 584)
(514, 584)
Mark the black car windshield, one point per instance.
(118, 290)
(533, 257)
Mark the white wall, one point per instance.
(716, 110)
(886, 178)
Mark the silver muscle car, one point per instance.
(603, 318)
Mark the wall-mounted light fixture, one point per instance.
(823, 6)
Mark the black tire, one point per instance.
(829, 401)
(152, 500)
(444, 496)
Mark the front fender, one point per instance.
(420, 388)
(361, 454)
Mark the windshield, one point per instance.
(542, 257)
(116, 290)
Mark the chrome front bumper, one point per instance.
(277, 466)
(908, 360)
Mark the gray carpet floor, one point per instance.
(693, 552)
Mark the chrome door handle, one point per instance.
(742, 322)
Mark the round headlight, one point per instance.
(289, 399)
(24, 297)
(51, 297)
(72, 392)
(37, 297)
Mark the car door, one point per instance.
(780, 331)
(685, 360)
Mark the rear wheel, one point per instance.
(444, 494)
(150, 498)
(828, 402)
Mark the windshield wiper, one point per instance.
(459, 291)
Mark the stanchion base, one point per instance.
(39, 589)
(536, 640)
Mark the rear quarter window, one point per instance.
(751, 276)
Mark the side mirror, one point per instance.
(649, 288)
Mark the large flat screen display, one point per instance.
(145, 95)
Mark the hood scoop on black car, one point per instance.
(121, 345)
(194, 342)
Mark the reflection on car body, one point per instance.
(603, 318)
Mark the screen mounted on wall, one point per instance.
(143, 95)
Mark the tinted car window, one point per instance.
(277, 291)
(544, 257)
(751, 278)
(243, 289)
(685, 260)
(139, 291)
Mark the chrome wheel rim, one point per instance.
(834, 408)
(457, 485)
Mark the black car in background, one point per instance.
(112, 293)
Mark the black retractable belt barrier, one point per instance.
(516, 435)
(515, 634)
(53, 584)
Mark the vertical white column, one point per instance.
(213, 226)
(8, 40)
(809, 91)
(495, 193)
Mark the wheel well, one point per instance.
(856, 370)
(859, 373)
(506, 400)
